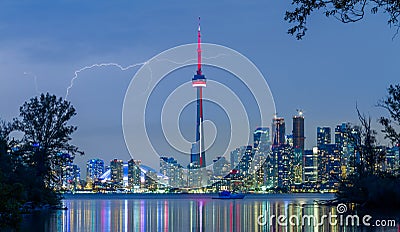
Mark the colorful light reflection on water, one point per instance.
(183, 213)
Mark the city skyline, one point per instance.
(287, 166)
(39, 55)
(324, 138)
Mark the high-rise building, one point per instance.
(289, 139)
(221, 168)
(150, 180)
(134, 173)
(392, 161)
(268, 174)
(173, 170)
(65, 170)
(195, 176)
(75, 175)
(278, 131)
(310, 162)
(117, 171)
(328, 166)
(345, 137)
(94, 169)
(246, 161)
(262, 148)
(298, 131)
(236, 155)
(199, 82)
(323, 136)
(284, 166)
(297, 166)
(262, 140)
(341, 133)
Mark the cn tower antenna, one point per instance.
(199, 82)
(198, 50)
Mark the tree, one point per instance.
(9, 205)
(346, 11)
(392, 104)
(371, 154)
(29, 167)
(43, 120)
(5, 130)
(370, 187)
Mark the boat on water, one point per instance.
(229, 195)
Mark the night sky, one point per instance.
(43, 43)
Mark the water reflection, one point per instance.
(188, 214)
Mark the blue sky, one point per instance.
(334, 67)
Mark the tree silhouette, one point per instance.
(370, 187)
(392, 104)
(346, 11)
(43, 120)
(9, 191)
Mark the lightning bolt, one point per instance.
(77, 72)
(122, 68)
(35, 81)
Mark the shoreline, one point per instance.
(95, 196)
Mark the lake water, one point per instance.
(189, 212)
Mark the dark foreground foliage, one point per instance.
(372, 192)
(346, 11)
(29, 167)
(369, 187)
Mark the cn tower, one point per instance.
(198, 155)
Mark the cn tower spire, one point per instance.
(199, 50)
(199, 82)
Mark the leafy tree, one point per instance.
(369, 186)
(8, 204)
(43, 120)
(29, 168)
(392, 104)
(346, 11)
(370, 153)
(5, 130)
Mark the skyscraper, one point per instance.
(117, 171)
(323, 136)
(75, 174)
(345, 137)
(298, 131)
(236, 155)
(261, 139)
(310, 165)
(65, 171)
(198, 82)
(150, 180)
(328, 166)
(221, 168)
(134, 173)
(392, 160)
(195, 176)
(278, 131)
(94, 169)
(245, 163)
(269, 172)
(284, 166)
(173, 170)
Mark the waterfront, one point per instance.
(185, 212)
